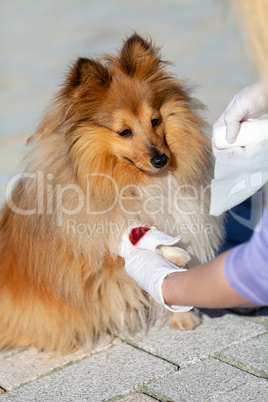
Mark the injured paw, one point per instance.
(176, 255)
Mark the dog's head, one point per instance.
(127, 114)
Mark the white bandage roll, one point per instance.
(251, 132)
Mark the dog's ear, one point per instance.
(139, 57)
(89, 71)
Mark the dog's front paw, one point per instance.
(176, 255)
(184, 321)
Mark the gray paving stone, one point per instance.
(137, 397)
(213, 335)
(209, 380)
(261, 316)
(255, 390)
(116, 371)
(251, 356)
(9, 353)
(19, 367)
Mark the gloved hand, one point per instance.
(248, 104)
(145, 265)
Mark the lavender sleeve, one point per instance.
(246, 266)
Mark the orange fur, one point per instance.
(61, 287)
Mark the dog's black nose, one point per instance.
(159, 161)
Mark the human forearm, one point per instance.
(171, 286)
(202, 286)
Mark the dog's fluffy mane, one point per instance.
(60, 288)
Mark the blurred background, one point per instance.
(39, 39)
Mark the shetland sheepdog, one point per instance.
(122, 141)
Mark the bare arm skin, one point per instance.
(202, 286)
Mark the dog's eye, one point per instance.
(125, 133)
(155, 122)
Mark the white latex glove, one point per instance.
(145, 238)
(248, 104)
(146, 266)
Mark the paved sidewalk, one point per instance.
(225, 358)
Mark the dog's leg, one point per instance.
(184, 321)
(180, 321)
